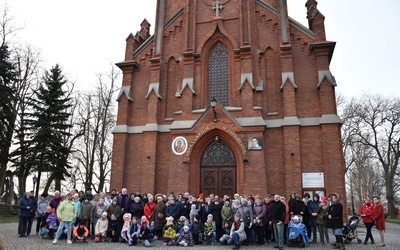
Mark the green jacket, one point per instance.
(66, 211)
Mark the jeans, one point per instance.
(234, 240)
(211, 239)
(323, 232)
(278, 232)
(68, 225)
(44, 231)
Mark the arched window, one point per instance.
(218, 74)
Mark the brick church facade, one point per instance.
(270, 79)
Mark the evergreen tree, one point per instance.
(7, 114)
(49, 126)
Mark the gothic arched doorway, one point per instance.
(218, 170)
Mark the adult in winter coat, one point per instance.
(86, 213)
(66, 213)
(278, 214)
(335, 219)
(114, 209)
(26, 207)
(136, 208)
(226, 211)
(197, 230)
(366, 212)
(149, 208)
(259, 213)
(322, 220)
(246, 213)
(159, 216)
(173, 209)
(56, 200)
(297, 206)
(237, 234)
(216, 207)
(42, 205)
(312, 210)
(379, 217)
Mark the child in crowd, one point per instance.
(194, 210)
(209, 230)
(197, 230)
(125, 227)
(44, 227)
(113, 230)
(52, 223)
(226, 231)
(143, 225)
(133, 232)
(81, 232)
(170, 235)
(149, 234)
(185, 238)
(100, 229)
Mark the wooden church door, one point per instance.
(218, 170)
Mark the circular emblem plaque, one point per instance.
(179, 145)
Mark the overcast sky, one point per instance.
(86, 37)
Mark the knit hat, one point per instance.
(193, 206)
(185, 228)
(53, 211)
(324, 199)
(104, 214)
(210, 215)
(201, 196)
(114, 200)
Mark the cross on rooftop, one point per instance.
(218, 6)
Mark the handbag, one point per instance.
(373, 222)
(160, 215)
(246, 220)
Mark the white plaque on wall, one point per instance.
(313, 180)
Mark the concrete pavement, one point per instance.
(9, 232)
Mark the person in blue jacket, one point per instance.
(312, 209)
(26, 208)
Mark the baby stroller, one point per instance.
(349, 232)
(297, 232)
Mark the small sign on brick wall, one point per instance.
(313, 180)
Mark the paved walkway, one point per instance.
(9, 231)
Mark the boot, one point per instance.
(336, 246)
(342, 247)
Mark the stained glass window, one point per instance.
(218, 74)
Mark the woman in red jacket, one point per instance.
(379, 219)
(366, 212)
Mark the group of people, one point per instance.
(187, 220)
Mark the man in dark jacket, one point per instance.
(278, 214)
(26, 208)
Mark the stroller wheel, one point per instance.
(359, 241)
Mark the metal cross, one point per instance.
(218, 6)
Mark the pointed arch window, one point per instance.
(218, 154)
(218, 74)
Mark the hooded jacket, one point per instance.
(23, 205)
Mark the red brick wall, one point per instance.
(252, 36)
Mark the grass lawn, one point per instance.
(8, 219)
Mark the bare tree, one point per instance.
(374, 122)
(98, 113)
